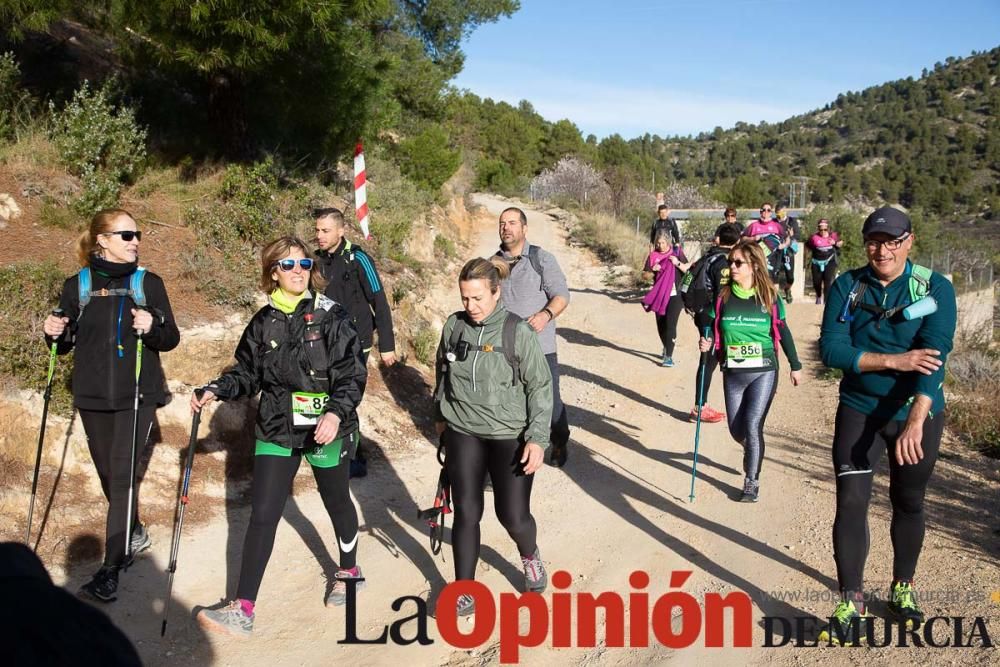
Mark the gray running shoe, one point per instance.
(230, 620)
(103, 587)
(338, 594)
(535, 577)
(751, 488)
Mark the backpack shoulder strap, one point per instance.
(920, 282)
(135, 286)
(715, 323)
(536, 263)
(84, 287)
(456, 331)
(508, 340)
(775, 321)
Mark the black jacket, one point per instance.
(103, 379)
(354, 283)
(273, 358)
(718, 275)
(669, 225)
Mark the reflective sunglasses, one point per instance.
(289, 264)
(127, 235)
(737, 262)
(765, 210)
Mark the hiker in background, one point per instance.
(301, 353)
(786, 267)
(824, 246)
(889, 326)
(536, 291)
(354, 283)
(106, 308)
(663, 222)
(699, 290)
(732, 217)
(663, 300)
(771, 235)
(493, 406)
(748, 321)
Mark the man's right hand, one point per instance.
(923, 361)
(54, 326)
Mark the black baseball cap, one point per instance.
(887, 220)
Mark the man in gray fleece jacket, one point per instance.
(537, 292)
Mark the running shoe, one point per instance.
(103, 587)
(230, 620)
(338, 594)
(668, 362)
(788, 296)
(535, 577)
(903, 604)
(141, 541)
(708, 415)
(751, 488)
(465, 606)
(819, 301)
(842, 630)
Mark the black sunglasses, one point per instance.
(765, 210)
(127, 235)
(737, 262)
(289, 264)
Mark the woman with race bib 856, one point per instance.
(747, 320)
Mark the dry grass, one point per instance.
(614, 242)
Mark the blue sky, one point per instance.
(684, 66)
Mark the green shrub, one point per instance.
(444, 247)
(495, 176)
(60, 217)
(395, 201)
(425, 344)
(28, 293)
(100, 143)
(428, 159)
(16, 104)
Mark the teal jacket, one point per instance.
(478, 396)
(886, 394)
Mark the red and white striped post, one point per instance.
(361, 190)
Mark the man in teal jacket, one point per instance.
(889, 327)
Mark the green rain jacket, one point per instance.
(478, 396)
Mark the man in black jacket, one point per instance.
(664, 222)
(354, 283)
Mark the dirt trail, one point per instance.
(620, 504)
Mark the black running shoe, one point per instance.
(103, 587)
(903, 604)
(559, 455)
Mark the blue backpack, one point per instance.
(86, 291)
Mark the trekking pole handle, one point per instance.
(138, 308)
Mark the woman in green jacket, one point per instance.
(493, 413)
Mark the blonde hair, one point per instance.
(752, 253)
(492, 270)
(277, 250)
(102, 223)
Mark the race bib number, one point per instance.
(745, 355)
(307, 408)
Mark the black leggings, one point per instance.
(858, 444)
(666, 325)
(272, 483)
(467, 459)
(823, 280)
(109, 437)
(711, 363)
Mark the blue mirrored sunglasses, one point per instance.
(289, 264)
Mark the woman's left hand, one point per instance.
(326, 428)
(142, 321)
(796, 377)
(532, 457)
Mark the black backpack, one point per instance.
(696, 286)
(533, 259)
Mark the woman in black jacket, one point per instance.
(106, 308)
(302, 354)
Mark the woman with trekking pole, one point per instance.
(747, 321)
(493, 406)
(117, 318)
(301, 353)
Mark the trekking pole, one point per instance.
(701, 401)
(135, 437)
(41, 433)
(182, 502)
